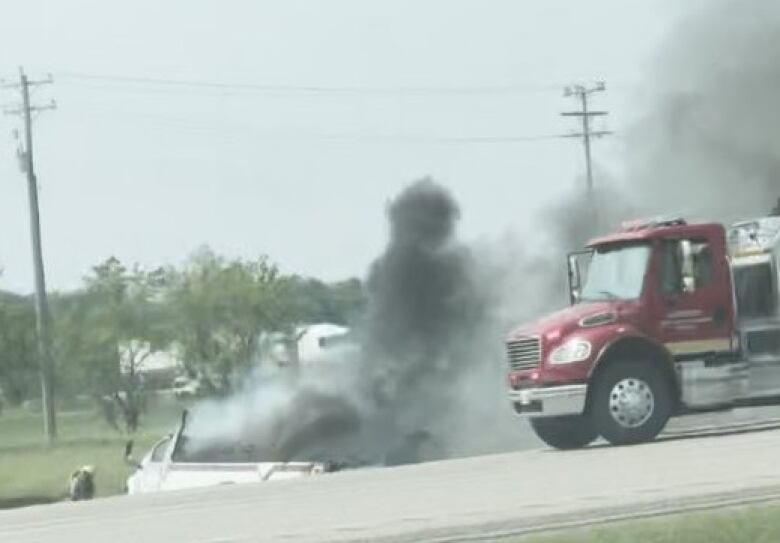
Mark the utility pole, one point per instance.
(42, 317)
(582, 93)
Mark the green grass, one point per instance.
(755, 524)
(33, 472)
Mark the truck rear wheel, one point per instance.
(566, 432)
(632, 402)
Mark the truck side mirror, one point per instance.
(576, 275)
(686, 263)
(575, 278)
(688, 284)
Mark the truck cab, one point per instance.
(651, 332)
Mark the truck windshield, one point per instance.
(616, 273)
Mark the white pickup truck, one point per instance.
(169, 466)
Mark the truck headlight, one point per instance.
(575, 350)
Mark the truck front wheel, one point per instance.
(566, 432)
(632, 402)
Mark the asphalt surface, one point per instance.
(444, 501)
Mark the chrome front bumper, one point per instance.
(549, 401)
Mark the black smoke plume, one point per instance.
(427, 382)
(425, 310)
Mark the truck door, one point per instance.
(696, 312)
(156, 464)
(695, 319)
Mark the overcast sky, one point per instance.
(326, 109)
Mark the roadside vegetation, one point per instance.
(754, 524)
(33, 472)
(206, 320)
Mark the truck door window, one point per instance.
(702, 263)
(670, 276)
(678, 270)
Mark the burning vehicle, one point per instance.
(313, 433)
(172, 464)
(303, 432)
(666, 318)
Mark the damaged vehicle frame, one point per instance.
(167, 466)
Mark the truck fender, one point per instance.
(635, 341)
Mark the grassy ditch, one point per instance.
(33, 472)
(754, 524)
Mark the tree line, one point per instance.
(212, 312)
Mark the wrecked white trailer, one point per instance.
(170, 466)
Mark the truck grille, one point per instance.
(524, 353)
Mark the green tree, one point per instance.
(18, 350)
(219, 309)
(316, 301)
(106, 333)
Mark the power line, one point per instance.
(305, 89)
(42, 315)
(413, 139)
(190, 125)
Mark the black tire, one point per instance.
(646, 417)
(566, 432)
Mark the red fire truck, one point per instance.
(666, 318)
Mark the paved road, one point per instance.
(438, 500)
